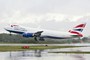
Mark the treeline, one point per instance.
(7, 38)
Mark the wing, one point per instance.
(37, 35)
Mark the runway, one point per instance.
(77, 44)
(44, 55)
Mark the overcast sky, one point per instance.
(59, 15)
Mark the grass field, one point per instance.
(71, 52)
(20, 48)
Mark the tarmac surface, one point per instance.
(44, 55)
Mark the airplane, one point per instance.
(41, 34)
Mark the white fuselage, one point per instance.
(45, 33)
(50, 32)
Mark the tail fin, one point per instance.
(78, 29)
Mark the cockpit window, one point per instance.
(13, 25)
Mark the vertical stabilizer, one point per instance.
(78, 29)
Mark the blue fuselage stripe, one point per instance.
(19, 32)
(52, 37)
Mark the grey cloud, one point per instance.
(45, 6)
(9, 8)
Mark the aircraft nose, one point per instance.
(5, 28)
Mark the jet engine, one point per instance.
(27, 35)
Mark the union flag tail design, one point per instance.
(78, 29)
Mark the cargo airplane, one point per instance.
(41, 34)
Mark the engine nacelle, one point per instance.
(27, 35)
